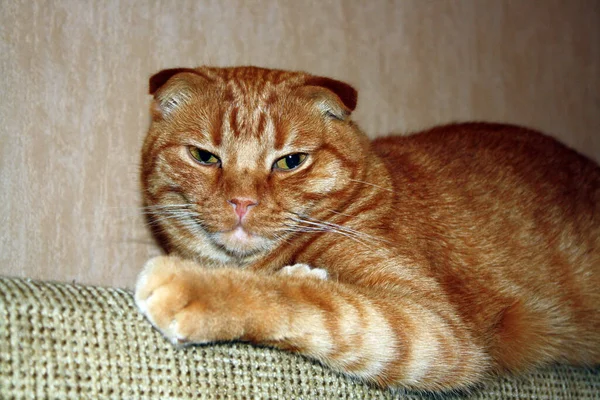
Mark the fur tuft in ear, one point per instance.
(346, 93)
(165, 105)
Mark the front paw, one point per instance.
(176, 297)
(304, 270)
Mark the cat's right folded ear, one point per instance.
(334, 98)
(171, 88)
(160, 78)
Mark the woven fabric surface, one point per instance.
(63, 341)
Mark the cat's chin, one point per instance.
(241, 243)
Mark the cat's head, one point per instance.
(235, 157)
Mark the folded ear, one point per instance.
(160, 78)
(336, 98)
(172, 88)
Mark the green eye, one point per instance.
(203, 156)
(289, 162)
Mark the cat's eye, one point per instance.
(203, 157)
(289, 162)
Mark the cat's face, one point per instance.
(236, 157)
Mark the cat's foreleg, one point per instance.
(368, 334)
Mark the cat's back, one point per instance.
(488, 175)
(480, 142)
(505, 215)
(473, 156)
(505, 202)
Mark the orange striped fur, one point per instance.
(430, 261)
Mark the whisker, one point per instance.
(341, 213)
(151, 206)
(174, 213)
(371, 184)
(358, 235)
(324, 228)
(306, 229)
(338, 227)
(282, 238)
(351, 230)
(183, 217)
(167, 207)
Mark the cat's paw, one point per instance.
(174, 295)
(160, 294)
(304, 270)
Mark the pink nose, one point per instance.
(242, 205)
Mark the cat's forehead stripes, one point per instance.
(216, 128)
(245, 122)
(246, 137)
(281, 131)
(252, 123)
(251, 105)
(236, 121)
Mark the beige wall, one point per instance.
(73, 106)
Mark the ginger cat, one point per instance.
(430, 261)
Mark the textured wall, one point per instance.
(73, 106)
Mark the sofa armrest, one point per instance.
(64, 341)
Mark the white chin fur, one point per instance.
(240, 242)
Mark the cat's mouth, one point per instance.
(240, 242)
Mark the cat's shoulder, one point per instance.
(471, 138)
(466, 133)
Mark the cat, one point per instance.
(430, 261)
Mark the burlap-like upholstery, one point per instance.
(65, 341)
